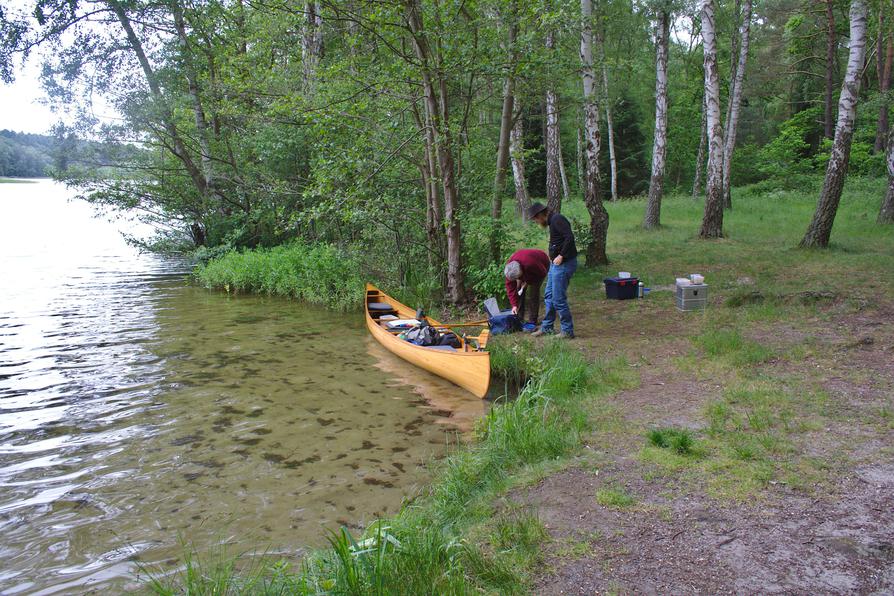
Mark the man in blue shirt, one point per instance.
(563, 254)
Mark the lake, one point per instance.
(139, 412)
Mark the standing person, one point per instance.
(525, 272)
(563, 254)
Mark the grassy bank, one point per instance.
(320, 274)
(452, 540)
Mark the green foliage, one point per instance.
(791, 152)
(315, 273)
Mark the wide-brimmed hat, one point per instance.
(535, 209)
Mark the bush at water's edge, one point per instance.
(317, 273)
(453, 539)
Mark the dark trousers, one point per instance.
(530, 303)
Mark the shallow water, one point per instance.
(137, 410)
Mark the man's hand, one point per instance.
(558, 260)
(515, 310)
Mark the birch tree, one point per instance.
(886, 213)
(609, 124)
(552, 140)
(820, 228)
(712, 221)
(592, 197)
(517, 156)
(436, 102)
(831, 46)
(652, 218)
(735, 102)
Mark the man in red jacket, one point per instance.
(525, 272)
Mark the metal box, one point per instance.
(692, 297)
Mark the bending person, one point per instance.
(525, 272)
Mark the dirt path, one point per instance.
(832, 532)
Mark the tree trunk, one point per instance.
(821, 227)
(436, 104)
(503, 144)
(700, 156)
(312, 48)
(566, 191)
(712, 221)
(606, 101)
(552, 140)
(579, 160)
(734, 105)
(178, 147)
(652, 217)
(517, 155)
(592, 193)
(200, 120)
(884, 84)
(831, 44)
(886, 213)
(433, 219)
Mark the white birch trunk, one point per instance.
(612, 162)
(652, 218)
(552, 141)
(820, 229)
(735, 104)
(517, 157)
(712, 221)
(598, 215)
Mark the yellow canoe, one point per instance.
(467, 366)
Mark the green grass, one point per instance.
(678, 440)
(759, 251)
(615, 498)
(320, 274)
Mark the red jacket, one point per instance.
(534, 265)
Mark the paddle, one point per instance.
(472, 324)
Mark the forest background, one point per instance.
(403, 141)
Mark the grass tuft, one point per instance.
(615, 498)
(678, 440)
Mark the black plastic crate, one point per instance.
(621, 288)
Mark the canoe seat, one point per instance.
(379, 306)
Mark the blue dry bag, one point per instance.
(504, 324)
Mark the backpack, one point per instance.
(424, 335)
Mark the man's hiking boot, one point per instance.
(540, 332)
(563, 335)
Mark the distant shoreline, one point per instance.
(22, 180)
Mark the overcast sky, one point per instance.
(19, 107)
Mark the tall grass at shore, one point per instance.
(316, 273)
(424, 549)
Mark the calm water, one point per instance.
(137, 410)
